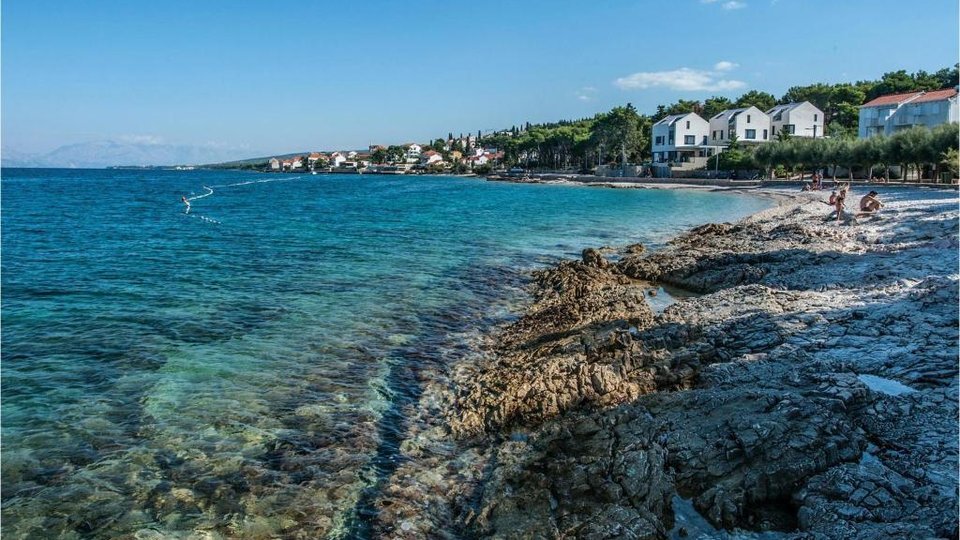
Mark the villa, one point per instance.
(274, 164)
(680, 137)
(430, 156)
(750, 125)
(336, 158)
(797, 119)
(477, 160)
(413, 152)
(887, 114)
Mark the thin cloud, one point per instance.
(683, 79)
(586, 93)
(734, 4)
(725, 65)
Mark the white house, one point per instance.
(296, 162)
(750, 124)
(430, 156)
(893, 112)
(798, 119)
(336, 159)
(477, 160)
(352, 154)
(274, 164)
(679, 137)
(413, 152)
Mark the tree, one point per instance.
(948, 77)
(619, 128)
(755, 98)
(865, 153)
(951, 161)
(839, 131)
(682, 106)
(715, 105)
(819, 94)
(396, 154)
(844, 105)
(893, 82)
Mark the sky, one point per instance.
(257, 77)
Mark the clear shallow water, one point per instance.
(237, 371)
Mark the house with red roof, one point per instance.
(887, 114)
(430, 156)
(314, 157)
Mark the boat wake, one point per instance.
(210, 192)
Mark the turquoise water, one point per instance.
(236, 371)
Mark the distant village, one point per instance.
(464, 154)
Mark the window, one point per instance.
(659, 139)
(714, 134)
(814, 117)
(764, 134)
(688, 123)
(773, 130)
(690, 139)
(721, 134)
(750, 134)
(789, 128)
(748, 118)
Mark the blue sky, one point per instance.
(271, 77)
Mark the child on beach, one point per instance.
(840, 200)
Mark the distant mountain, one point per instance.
(101, 154)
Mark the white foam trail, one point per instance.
(207, 194)
(210, 192)
(247, 183)
(204, 218)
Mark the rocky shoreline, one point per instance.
(810, 391)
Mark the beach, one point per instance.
(805, 386)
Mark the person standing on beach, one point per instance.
(840, 200)
(185, 201)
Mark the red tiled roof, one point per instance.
(936, 95)
(893, 99)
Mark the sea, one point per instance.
(242, 368)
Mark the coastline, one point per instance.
(765, 404)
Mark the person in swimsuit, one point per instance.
(841, 200)
(870, 203)
(185, 201)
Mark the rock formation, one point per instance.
(753, 400)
